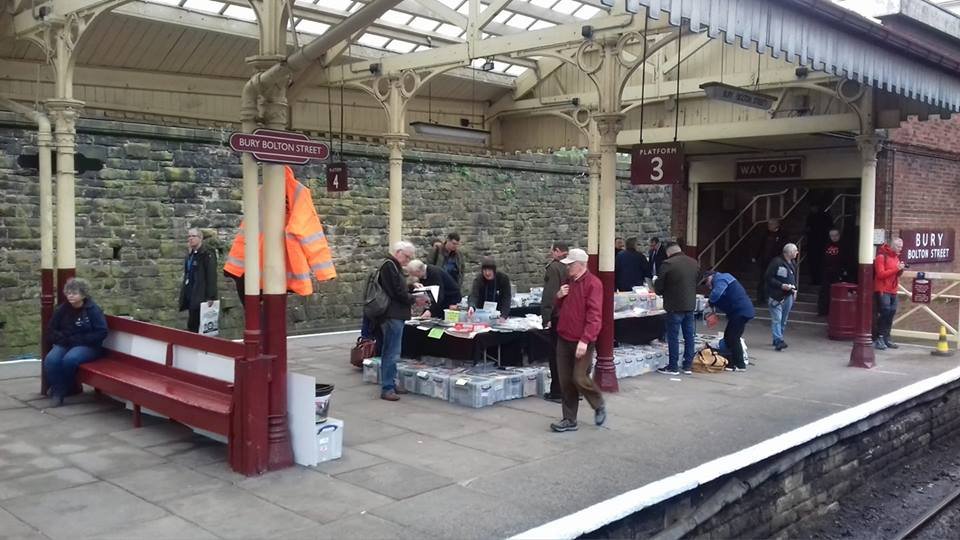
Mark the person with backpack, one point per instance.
(728, 296)
(387, 302)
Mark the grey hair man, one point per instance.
(199, 283)
(394, 285)
(781, 282)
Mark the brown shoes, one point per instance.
(390, 396)
(401, 391)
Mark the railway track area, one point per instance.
(918, 500)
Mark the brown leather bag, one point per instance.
(365, 348)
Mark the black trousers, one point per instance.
(731, 336)
(193, 320)
(830, 276)
(555, 389)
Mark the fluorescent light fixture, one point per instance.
(455, 133)
(738, 96)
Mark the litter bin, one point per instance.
(842, 321)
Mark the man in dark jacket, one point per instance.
(630, 267)
(199, 278)
(391, 324)
(677, 283)
(430, 275)
(728, 296)
(580, 302)
(491, 286)
(656, 255)
(449, 257)
(834, 266)
(554, 276)
(770, 247)
(781, 282)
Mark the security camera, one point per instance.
(575, 101)
(40, 13)
(587, 32)
(374, 69)
(802, 72)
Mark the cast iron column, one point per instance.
(395, 142)
(64, 113)
(593, 204)
(862, 354)
(609, 126)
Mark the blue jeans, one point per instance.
(779, 313)
(390, 353)
(366, 328)
(677, 321)
(61, 365)
(886, 310)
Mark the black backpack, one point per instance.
(375, 299)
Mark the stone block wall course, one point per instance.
(132, 218)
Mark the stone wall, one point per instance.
(157, 182)
(770, 499)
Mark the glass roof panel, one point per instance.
(586, 12)
(452, 4)
(516, 71)
(464, 9)
(166, 2)
(396, 17)
(422, 48)
(520, 21)
(540, 25)
(240, 12)
(543, 3)
(424, 24)
(340, 5)
(312, 27)
(400, 46)
(204, 5)
(502, 16)
(449, 30)
(566, 6)
(373, 40)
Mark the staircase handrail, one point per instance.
(753, 202)
(841, 197)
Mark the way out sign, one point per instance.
(656, 164)
(337, 177)
(279, 146)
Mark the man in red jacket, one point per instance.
(887, 268)
(580, 303)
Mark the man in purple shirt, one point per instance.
(580, 304)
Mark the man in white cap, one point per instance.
(580, 304)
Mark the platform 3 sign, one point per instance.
(656, 164)
(273, 146)
(928, 245)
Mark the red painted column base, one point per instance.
(47, 294)
(604, 373)
(275, 346)
(593, 263)
(863, 355)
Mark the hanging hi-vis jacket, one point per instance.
(306, 245)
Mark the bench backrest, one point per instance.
(203, 355)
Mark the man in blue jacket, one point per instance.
(728, 296)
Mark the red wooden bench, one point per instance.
(200, 381)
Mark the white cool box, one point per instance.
(313, 443)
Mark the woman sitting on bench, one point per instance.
(77, 331)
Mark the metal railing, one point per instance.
(947, 296)
(758, 211)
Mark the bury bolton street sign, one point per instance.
(279, 146)
(770, 169)
(928, 245)
(656, 164)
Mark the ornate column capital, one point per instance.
(870, 145)
(609, 126)
(64, 113)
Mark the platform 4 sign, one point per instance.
(928, 245)
(279, 146)
(656, 164)
(337, 177)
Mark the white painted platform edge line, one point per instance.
(605, 512)
(18, 361)
(340, 333)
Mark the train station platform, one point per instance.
(418, 468)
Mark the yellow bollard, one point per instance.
(943, 348)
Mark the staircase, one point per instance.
(844, 206)
(742, 227)
(804, 307)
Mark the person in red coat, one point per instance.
(887, 268)
(580, 303)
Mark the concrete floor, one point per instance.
(419, 468)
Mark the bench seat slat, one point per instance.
(182, 401)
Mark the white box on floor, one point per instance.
(329, 440)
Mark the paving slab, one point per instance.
(441, 425)
(395, 480)
(350, 461)
(314, 495)
(147, 436)
(44, 482)
(169, 527)
(86, 510)
(14, 529)
(236, 513)
(167, 481)
(437, 456)
(358, 429)
(24, 417)
(368, 527)
(113, 460)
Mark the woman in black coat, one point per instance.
(77, 330)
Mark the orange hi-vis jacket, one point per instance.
(306, 245)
